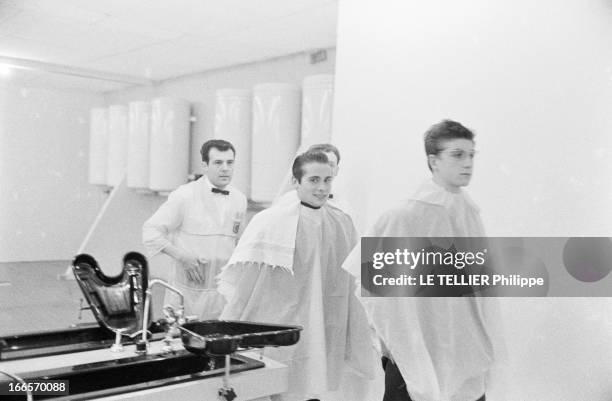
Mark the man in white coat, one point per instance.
(198, 227)
(435, 349)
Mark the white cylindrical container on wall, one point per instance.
(276, 135)
(117, 144)
(233, 123)
(138, 145)
(317, 104)
(169, 144)
(98, 146)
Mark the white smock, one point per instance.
(286, 270)
(444, 347)
(206, 224)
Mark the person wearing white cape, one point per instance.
(286, 270)
(436, 349)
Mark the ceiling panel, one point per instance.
(233, 15)
(97, 7)
(65, 9)
(311, 28)
(90, 40)
(8, 11)
(150, 39)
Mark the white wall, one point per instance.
(534, 80)
(46, 204)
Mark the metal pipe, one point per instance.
(226, 376)
(145, 318)
(156, 281)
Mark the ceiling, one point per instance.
(127, 42)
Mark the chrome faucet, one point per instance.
(174, 318)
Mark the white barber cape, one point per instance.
(205, 223)
(286, 270)
(445, 348)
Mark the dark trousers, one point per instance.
(395, 386)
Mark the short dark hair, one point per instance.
(218, 144)
(445, 130)
(326, 148)
(307, 157)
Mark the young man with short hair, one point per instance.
(434, 349)
(286, 270)
(198, 227)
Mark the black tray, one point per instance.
(223, 337)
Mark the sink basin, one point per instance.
(119, 376)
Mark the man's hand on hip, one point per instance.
(194, 268)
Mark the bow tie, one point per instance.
(219, 191)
